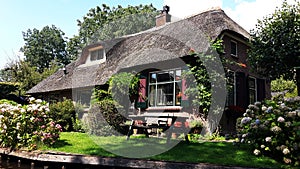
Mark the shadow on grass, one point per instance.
(221, 153)
(61, 143)
(135, 147)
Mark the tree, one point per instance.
(25, 75)
(276, 44)
(43, 47)
(103, 23)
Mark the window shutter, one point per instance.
(261, 91)
(184, 99)
(141, 103)
(242, 96)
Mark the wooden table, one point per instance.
(162, 123)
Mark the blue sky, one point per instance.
(18, 16)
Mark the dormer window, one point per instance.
(233, 49)
(97, 54)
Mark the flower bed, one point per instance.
(26, 126)
(273, 129)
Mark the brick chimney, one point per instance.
(163, 17)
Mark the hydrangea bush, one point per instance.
(27, 125)
(273, 129)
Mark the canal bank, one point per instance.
(41, 159)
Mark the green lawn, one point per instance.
(221, 153)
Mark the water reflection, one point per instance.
(13, 163)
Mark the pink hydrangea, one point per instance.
(280, 119)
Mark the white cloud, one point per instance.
(245, 13)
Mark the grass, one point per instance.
(221, 153)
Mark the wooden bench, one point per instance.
(162, 123)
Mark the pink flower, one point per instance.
(280, 119)
(52, 124)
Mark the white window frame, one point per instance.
(161, 83)
(90, 62)
(236, 48)
(253, 89)
(234, 88)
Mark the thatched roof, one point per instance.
(171, 41)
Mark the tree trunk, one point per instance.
(298, 80)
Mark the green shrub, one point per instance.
(64, 114)
(282, 85)
(3, 101)
(28, 125)
(104, 119)
(273, 129)
(196, 126)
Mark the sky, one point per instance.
(18, 16)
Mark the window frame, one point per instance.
(252, 89)
(236, 48)
(98, 50)
(174, 82)
(234, 88)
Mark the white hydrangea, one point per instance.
(38, 101)
(264, 108)
(268, 139)
(256, 152)
(285, 151)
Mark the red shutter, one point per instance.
(142, 94)
(183, 83)
(184, 98)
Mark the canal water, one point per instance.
(8, 162)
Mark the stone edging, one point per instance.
(107, 161)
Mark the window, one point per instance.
(96, 54)
(84, 97)
(252, 90)
(230, 101)
(165, 88)
(233, 48)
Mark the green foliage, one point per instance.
(104, 23)
(44, 46)
(27, 126)
(195, 123)
(272, 129)
(199, 89)
(124, 88)
(275, 43)
(27, 76)
(121, 88)
(282, 85)
(196, 126)
(109, 105)
(4, 101)
(104, 119)
(64, 114)
(8, 88)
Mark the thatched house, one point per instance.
(157, 53)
